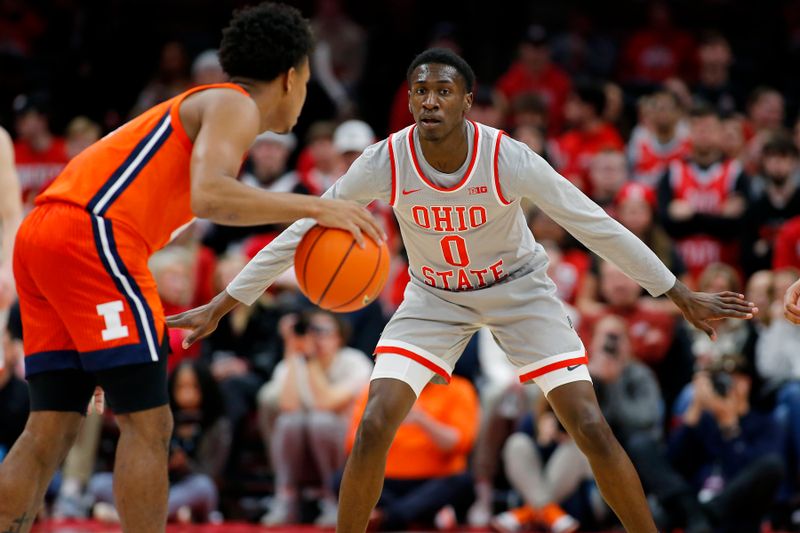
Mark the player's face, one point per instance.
(295, 96)
(438, 100)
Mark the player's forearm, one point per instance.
(230, 203)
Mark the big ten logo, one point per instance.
(111, 313)
(449, 218)
(483, 189)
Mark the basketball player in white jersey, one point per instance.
(455, 187)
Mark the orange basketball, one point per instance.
(335, 273)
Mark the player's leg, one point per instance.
(576, 406)
(389, 402)
(534, 329)
(58, 389)
(138, 396)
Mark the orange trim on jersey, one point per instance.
(422, 175)
(496, 172)
(174, 112)
(393, 197)
(415, 357)
(554, 366)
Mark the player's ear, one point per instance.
(468, 102)
(409, 102)
(289, 79)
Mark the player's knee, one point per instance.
(152, 427)
(373, 432)
(593, 435)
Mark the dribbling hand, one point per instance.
(202, 321)
(349, 216)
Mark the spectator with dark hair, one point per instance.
(484, 108)
(776, 202)
(533, 72)
(726, 449)
(658, 51)
(583, 49)
(660, 138)
(702, 199)
(529, 109)
(306, 407)
(714, 84)
(765, 116)
(40, 155)
(198, 450)
(733, 143)
(589, 133)
(533, 137)
(320, 164)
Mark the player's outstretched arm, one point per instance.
(228, 127)
(700, 308)
(791, 303)
(202, 321)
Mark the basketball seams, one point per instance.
(311, 249)
(366, 286)
(335, 272)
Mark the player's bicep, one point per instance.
(227, 130)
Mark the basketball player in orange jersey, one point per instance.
(455, 186)
(90, 310)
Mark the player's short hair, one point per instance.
(443, 56)
(263, 41)
(592, 94)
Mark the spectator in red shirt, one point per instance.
(651, 331)
(660, 138)
(702, 199)
(787, 245)
(589, 135)
(533, 72)
(659, 51)
(40, 155)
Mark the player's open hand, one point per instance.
(700, 308)
(791, 303)
(350, 216)
(202, 321)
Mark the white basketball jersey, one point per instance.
(464, 237)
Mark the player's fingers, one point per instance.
(732, 313)
(793, 317)
(180, 320)
(738, 307)
(191, 338)
(372, 227)
(706, 327)
(736, 300)
(357, 235)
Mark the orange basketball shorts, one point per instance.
(87, 298)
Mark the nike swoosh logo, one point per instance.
(405, 192)
(573, 367)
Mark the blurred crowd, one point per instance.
(655, 124)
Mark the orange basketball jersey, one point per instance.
(137, 175)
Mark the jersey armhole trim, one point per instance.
(393, 164)
(495, 170)
(177, 123)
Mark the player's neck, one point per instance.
(265, 94)
(448, 153)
